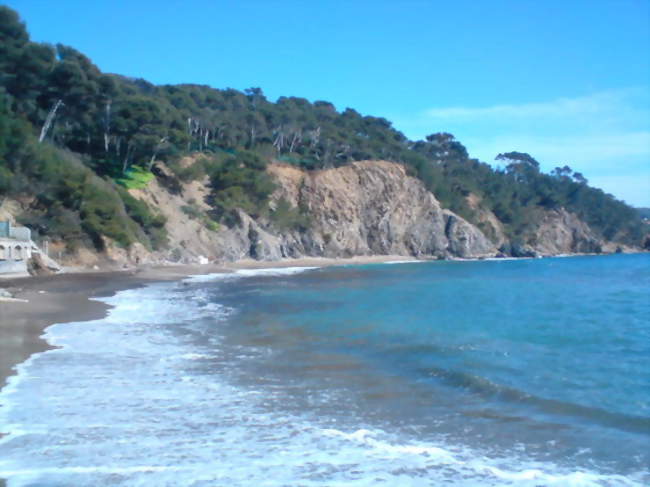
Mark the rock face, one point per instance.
(366, 208)
(487, 221)
(561, 232)
(361, 209)
(189, 239)
(372, 208)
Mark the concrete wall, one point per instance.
(14, 255)
(13, 267)
(15, 249)
(7, 230)
(20, 233)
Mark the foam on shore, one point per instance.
(271, 271)
(143, 397)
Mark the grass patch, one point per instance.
(135, 178)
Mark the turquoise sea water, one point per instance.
(513, 372)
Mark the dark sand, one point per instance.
(64, 298)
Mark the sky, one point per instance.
(566, 81)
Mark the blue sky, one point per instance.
(566, 81)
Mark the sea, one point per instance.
(527, 372)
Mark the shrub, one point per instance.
(286, 217)
(152, 224)
(195, 213)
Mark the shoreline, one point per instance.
(70, 296)
(41, 301)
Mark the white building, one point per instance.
(16, 248)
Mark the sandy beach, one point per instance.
(326, 360)
(61, 298)
(42, 301)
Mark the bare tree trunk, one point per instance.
(107, 126)
(294, 140)
(327, 153)
(129, 153)
(189, 133)
(278, 143)
(49, 119)
(155, 152)
(315, 137)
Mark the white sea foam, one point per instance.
(217, 276)
(195, 356)
(273, 271)
(503, 259)
(465, 464)
(127, 400)
(224, 276)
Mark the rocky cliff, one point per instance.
(561, 232)
(365, 208)
(373, 207)
(558, 231)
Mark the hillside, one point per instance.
(113, 169)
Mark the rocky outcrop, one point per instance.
(561, 232)
(372, 208)
(41, 264)
(361, 209)
(465, 240)
(365, 208)
(487, 221)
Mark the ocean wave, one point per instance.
(468, 465)
(133, 399)
(273, 271)
(224, 276)
(488, 388)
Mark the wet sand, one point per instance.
(43, 301)
(64, 298)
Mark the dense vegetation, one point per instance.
(74, 136)
(644, 212)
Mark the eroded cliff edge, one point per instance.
(365, 208)
(373, 207)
